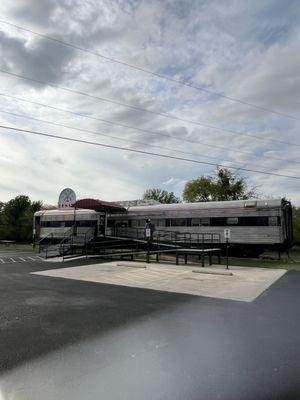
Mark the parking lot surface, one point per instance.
(237, 283)
(72, 339)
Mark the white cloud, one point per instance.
(248, 51)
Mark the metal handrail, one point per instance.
(171, 236)
(43, 238)
(50, 235)
(87, 238)
(67, 235)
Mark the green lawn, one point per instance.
(16, 247)
(270, 260)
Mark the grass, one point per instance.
(15, 247)
(270, 260)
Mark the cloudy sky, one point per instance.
(248, 51)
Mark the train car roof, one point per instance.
(65, 211)
(254, 204)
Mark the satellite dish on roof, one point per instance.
(67, 198)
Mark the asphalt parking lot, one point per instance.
(70, 339)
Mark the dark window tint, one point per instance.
(86, 224)
(178, 222)
(218, 221)
(253, 221)
(232, 221)
(68, 224)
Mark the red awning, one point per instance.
(99, 205)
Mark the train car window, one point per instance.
(56, 224)
(273, 221)
(232, 221)
(160, 222)
(218, 221)
(178, 222)
(205, 221)
(195, 221)
(168, 222)
(84, 223)
(262, 221)
(121, 224)
(189, 222)
(253, 221)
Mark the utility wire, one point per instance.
(103, 134)
(214, 146)
(135, 108)
(126, 139)
(70, 139)
(155, 74)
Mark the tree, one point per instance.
(296, 223)
(16, 218)
(225, 186)
(163, 196)
(48, 207)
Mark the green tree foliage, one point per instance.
(296, 221)
(16, 217)
(49, 207)
(163, 196)
(225, 186)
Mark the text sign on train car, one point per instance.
(148, 232)
(67, 198)
(227, 233)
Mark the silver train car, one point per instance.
(61, 222)
(255, 225)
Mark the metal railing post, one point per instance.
(202, 258)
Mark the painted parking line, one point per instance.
(18, 259)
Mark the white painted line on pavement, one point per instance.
(12, 259)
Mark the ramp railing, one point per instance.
(175, 237)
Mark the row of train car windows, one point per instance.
(216, 221)
(68, 224)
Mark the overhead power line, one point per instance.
(149, 72)
(214, 146)
(70, 139)
(129, 140)
(152, 112)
